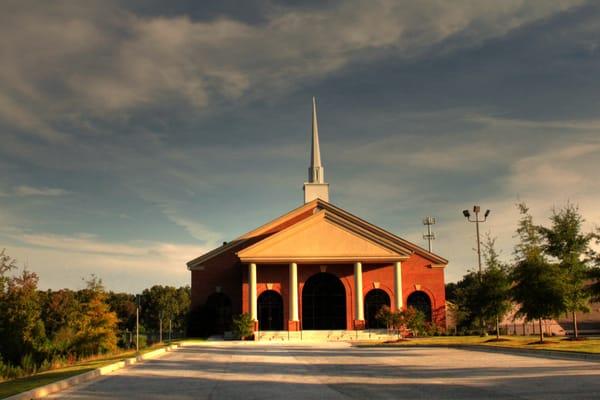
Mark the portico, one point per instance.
(293, 299)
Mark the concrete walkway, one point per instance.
(229, 370)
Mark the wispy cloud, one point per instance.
(63, 260)
(39, 191)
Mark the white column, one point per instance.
(398, 285)
(252, 294)
(293, 309)
(358, 292)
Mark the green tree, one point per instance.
(243, 326)
(538, 284)
(413, 320)
(123, 304)
(21, 327)
(164, 304)
(494, 291)
(594, 272)
(61, 313)
(469, 304)
(565, 242)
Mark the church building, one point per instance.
(317, 267)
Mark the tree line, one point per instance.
(45, 329)
(554, 272)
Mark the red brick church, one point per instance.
(318, 267)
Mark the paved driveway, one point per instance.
(336, 371)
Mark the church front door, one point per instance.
(323, 303)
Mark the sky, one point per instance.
(135, 136)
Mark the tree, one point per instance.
(7, 264)
(97, 327)
(495, 285)
(538, 286)
(21, 327)
(164, 304)
(594, 272)
(565, 242)
(243, 326)
(469, 302)
(61, 313)
(123, 304)
(413, 320)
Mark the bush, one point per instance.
(243, 326)
(414, 321)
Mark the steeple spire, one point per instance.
(315, 188)
(316, 172)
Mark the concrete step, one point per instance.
(324, 336)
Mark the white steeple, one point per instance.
(316, 186)
(316, 172)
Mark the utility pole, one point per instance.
(430, 236)
(170, 330)
(160, 319)
(137, 324)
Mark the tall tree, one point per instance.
(538, 284)
(22, 329)
(98, 324)
(161, 304)
(495, 285)
(123, 304)
(594, 271)
(565, 242)
(61, 312)
(470, 310)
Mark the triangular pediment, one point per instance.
(323, 237)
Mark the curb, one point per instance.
(555, 354)
(63, 384)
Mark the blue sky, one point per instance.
(136, 136)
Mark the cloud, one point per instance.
(65, 59)
(196, 229)
(63, 260)
(25, 191)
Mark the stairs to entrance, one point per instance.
(375, 335)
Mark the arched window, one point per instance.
(374, 300)
(420, 300)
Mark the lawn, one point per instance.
(8, 388)
(524, 342)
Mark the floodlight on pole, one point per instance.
(467, 214)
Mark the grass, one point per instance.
(14, 386)
(523, 342)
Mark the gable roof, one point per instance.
(323, 236)
(333, 213)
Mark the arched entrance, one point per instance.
(323, 303)
(270, 311)
(420, 301)
(218, 313)
(374, 300)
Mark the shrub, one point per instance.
(243, 326)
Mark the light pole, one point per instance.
(467, 214)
